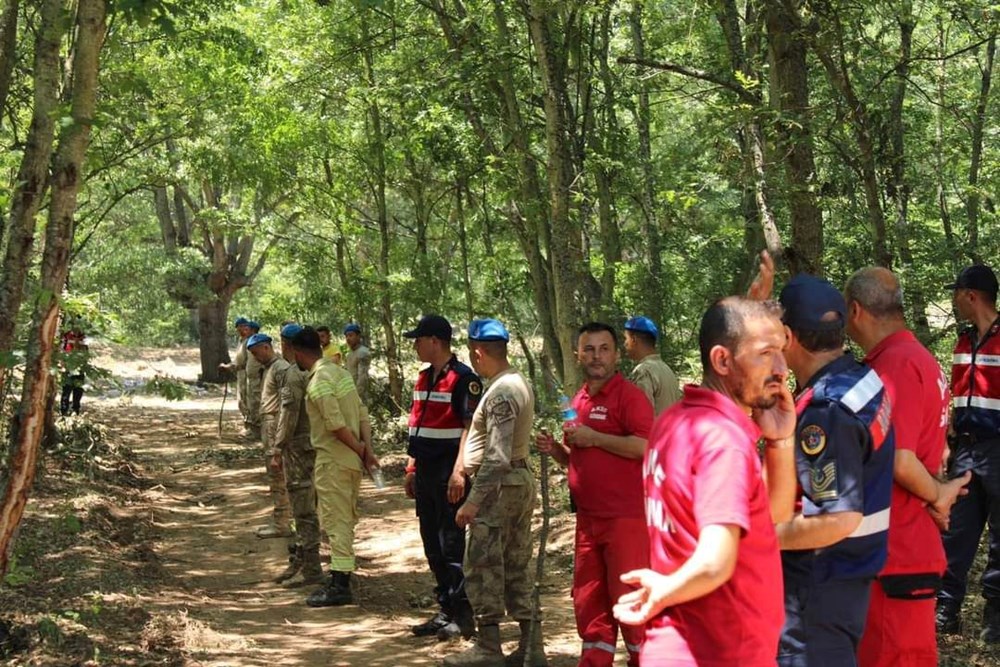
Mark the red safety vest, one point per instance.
(975, 382)
(435, 428)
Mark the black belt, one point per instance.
(966, 439)
(520, 463)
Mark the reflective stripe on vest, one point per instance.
(433, 423)
(975, 383)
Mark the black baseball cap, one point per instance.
(431, 325)
(807, 300)
(978, 277)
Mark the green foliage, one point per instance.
(169, 388)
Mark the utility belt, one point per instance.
(520, 463)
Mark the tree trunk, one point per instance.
(976, 156)
(457, 221)
(566, 252)
(32, 176)
(66, 177)
(939, 147)
(8, 50)
(790, 95)
(213, 342)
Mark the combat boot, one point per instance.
(537, 646)
(335, 593)
(431, 625)
(312, 571)
(273, 529)
(991, 622)
(948, 619)
(294, 564)
(485, 652)
(461, 623)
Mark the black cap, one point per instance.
(978, 277)
(431, 325)
(808, 299)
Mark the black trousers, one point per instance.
(444, 541)
(73, 386)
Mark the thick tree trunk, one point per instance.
(66, 177)
(790, 95)
(213, 343)
(976, 155)
(939, 146)
(32, 177)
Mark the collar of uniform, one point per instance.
(506, 371)
(607, 387)
(841, 363)
(319, 363)
(444, 369)
(697, 396)
(649, 357)
(901, 336)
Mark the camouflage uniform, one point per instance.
(254, 377)
(358, 361)
(275, 378)
(299, 459)
(499, 540)
(240, 364)
(657, 381)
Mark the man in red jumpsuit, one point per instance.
(603, 449)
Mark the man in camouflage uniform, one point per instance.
(498, 509)
(275, 378)
(239, 365)
(358, 359)
(254, 377)
(651, 373)
(298, 458)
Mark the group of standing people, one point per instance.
(734, 522)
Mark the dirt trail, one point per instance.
(208, 494)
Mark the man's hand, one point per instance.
(763, 284)
(579, 435)
(777, 422)
(456, 487)
(948, 493)
(545, 443)
(943, 521)
(409, 485)
(370, 460)
(466, 514)
(642, 604)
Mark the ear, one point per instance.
(721, 359)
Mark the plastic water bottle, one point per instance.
(378, 477)
(566, 410)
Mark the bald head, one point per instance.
(877, 290)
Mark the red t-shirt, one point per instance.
(605, 485)
(918, 390)
(702, 468)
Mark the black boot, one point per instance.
(336, 592)
(461, 624)
(294, 563)
(948, 618)
(991, 622)
(430, 627)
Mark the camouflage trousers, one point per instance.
(498, 550)
(275, 477)
(252, 417)
(299, 459)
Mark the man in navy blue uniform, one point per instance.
(836, 543)
(444, 399)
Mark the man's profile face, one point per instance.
(324, 338)
(597, 355)
(759, 369)
(261, 352)
(425, 347)
(353, 338)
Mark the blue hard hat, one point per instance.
(290, 330)
(487, 330)
(352, 328)
(241, 321)
(257, 339)
(643, 324)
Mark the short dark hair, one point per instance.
(307, 340)
(322, 329)
(496, 349)
(596, 327)
(644, 336)
(724, 323)
(820, 341)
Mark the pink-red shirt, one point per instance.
(919, 393)
(605, 485)
(702, 468)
